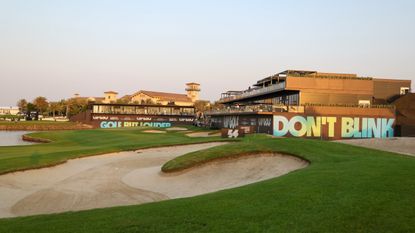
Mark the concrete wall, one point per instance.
(331, 90)
(311, 97)
(345, 90)
(330, 85)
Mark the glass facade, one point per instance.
(145, 110)
(291, 99)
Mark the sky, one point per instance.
(56, 48)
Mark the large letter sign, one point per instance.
(347, 127)
(297, 120)
(277, 131)
(118, 124)
(110, 124)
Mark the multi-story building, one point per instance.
(294, 87)
(314, 104)
(149, 97)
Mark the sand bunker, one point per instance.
(176, 129)
(202, 135)
(213, 176)
(399, 145)
(129, 178)
(154, 131)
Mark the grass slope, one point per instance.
(79, 143)
(344, 189)
(41, 125)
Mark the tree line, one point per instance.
(68, 108)
(73, 106)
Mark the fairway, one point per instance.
(344, 189)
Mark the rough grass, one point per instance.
(344, 189)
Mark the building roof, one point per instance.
(111, 92)
(88, 98)
(126, 97)
(165, 96)
(298, 72)
(98, 98)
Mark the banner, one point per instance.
(333, 127)
(120, 124)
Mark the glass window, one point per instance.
(126, 109)
(404, 90)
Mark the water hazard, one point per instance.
(13, 138)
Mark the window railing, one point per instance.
(330, 76)
(285, 108)
(134, 110)
(255, 92)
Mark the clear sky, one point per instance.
(56, 48)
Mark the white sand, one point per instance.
(213, 176)
(129, 178)
(403, 145)
(153, 131)
(176, 129)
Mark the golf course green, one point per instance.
(344, 189)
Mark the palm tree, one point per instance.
(54, 107)
(41, 104)
(22, 104)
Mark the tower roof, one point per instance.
(111, 92)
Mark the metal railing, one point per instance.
(243, 109)
(286, 108)
(255, 92)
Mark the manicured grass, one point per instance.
(78, 143)
(41, 125)
(37, 123)
(344, 189)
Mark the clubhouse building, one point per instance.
(299, 103)
(142, 108)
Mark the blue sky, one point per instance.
(56, 48)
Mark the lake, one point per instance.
(13, 138)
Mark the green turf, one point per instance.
(79, 143)
(37, 123)
(344, 189)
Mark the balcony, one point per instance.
(257, 109)
(254, 93)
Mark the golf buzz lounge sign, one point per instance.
(333, 127)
